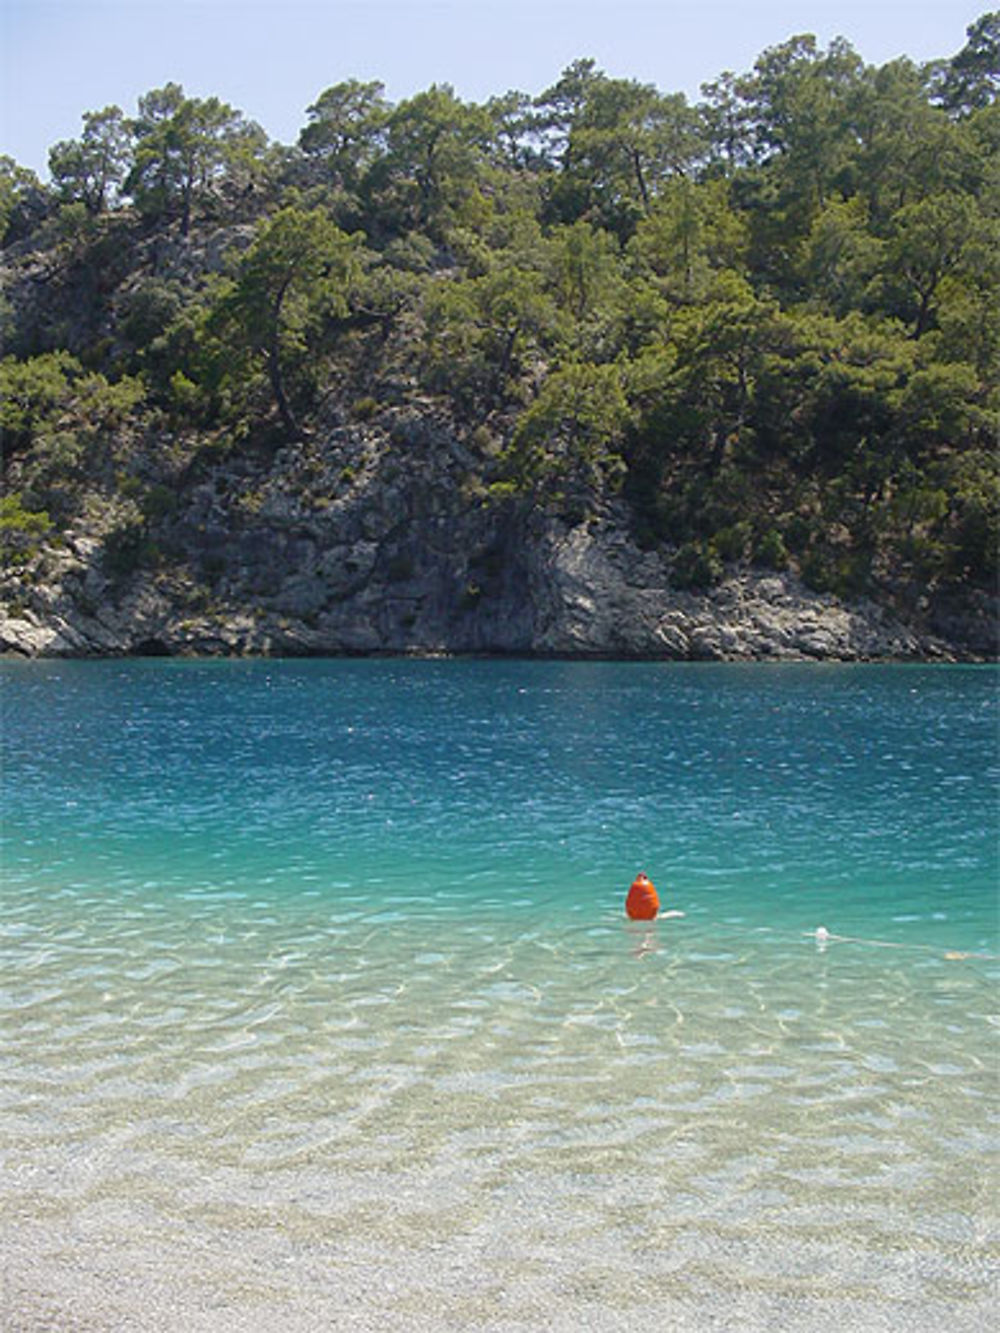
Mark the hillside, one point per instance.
(595, 371)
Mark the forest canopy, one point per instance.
(769, 319)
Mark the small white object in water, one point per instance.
(822, 934)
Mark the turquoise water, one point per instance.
(320, 1009)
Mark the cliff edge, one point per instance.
(340, 546)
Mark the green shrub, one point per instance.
(20, 529)
(797, 532)
(696, 565)
(128, 548)
(771, 551)
(363, 409)
(732, 542)
(32, 391)
(158, 502)
(844, 575)
(482, 440)
(148, 312)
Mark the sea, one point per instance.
(319, 1008)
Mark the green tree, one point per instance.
(970, 80)
(720, 345)
(971, 530)
(559, 108)
(186, 149)
(907, 149)
(59, 422)
(298, 272)
(20, 529)
(929, 241)
(968, 309)
(571, 435)
(802, 103)
(32, 392)
(727, 120)
(514, 132)
(625, 142)
(436, 150)
(614, 141)
(691, 234)
(840, 257)
(583, 272)
(346, 130)
(91, 169)
(24, 201)
(482, 330)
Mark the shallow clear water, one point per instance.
(320, 1008)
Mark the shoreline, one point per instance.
(403, 656)
(584, 592)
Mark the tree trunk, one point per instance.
(923, 313)
(502, 367)
(640, 179)
(292, 428)
(186, 208)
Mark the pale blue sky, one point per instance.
(272, 58)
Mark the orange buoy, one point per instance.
(643, 902)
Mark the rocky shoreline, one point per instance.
(445, 583)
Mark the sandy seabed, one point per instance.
(267, 1281)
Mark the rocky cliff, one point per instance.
(341, 545)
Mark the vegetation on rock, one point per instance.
(770, 321)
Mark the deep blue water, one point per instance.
(862, 797)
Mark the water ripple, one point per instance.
(435, 1080)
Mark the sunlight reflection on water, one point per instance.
(258, 1044)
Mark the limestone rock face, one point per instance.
(393, 554)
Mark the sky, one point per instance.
(272, 58)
